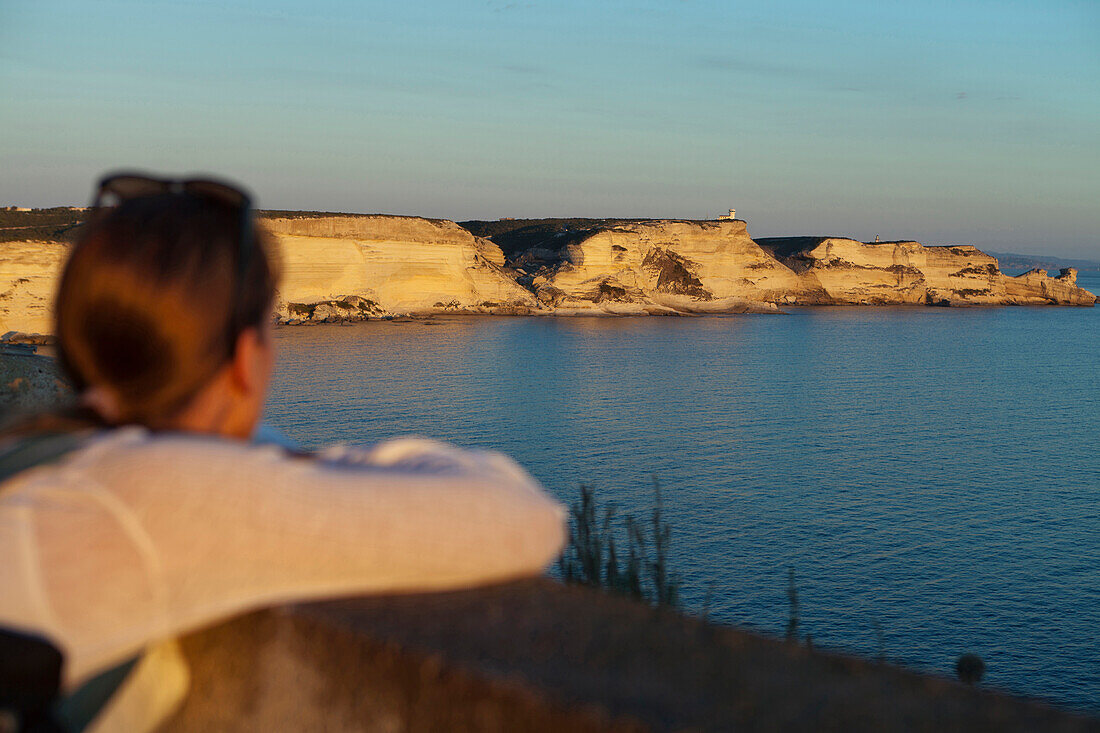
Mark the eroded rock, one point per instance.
(1036, 287)
(348, 308)
(661, 266)
(837, 270)
(393, 265)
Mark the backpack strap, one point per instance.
(37, 450)
(30, 666)
(80, 707)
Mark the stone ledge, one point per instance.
(29, 381)
(538, 656)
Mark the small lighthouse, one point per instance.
(729, 216)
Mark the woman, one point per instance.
(148, 514)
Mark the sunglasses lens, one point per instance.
(129, 187)
(117, 189)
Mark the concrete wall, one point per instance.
(538, 656)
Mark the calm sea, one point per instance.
(930, 472)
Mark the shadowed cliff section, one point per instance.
(516, 237)
(538, 656)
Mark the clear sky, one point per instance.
(944, 121)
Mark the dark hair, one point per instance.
(152, 300)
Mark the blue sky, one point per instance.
(964, 121)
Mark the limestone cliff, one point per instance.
(836, 270)
(28, 279)
(334, 268)
(357, 266)
(1035, 287)
(350, 267)
(663, 266)
(658, 266)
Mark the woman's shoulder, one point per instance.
(181, 450)
(126, 454)
(142, 467)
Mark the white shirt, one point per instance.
(139, 537)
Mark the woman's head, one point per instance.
(164, 299)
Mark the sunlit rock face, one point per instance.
(843, 271)
(663, 266)
(961, 273)
(28, 280)
(1035, 287)
(680, 266)
(355, 267)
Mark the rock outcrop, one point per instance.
(665, 266)
(657, 266)
(30, 382)
(28, 279)
(1035, 287)
(842, 271)
(352, 267)
(837, 270)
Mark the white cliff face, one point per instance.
(839, 270)
(28, 280)
(335, 267)
(1035, 287)
(403, 265)
(668, 265)
(716, 267)
(962, 272)
(354, 267)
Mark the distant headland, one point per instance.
(347, 267)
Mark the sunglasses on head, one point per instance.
(118, 187)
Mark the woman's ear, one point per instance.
(251, 362)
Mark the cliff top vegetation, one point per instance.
(60, 223)
(57, 224)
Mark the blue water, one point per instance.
(935, 472)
